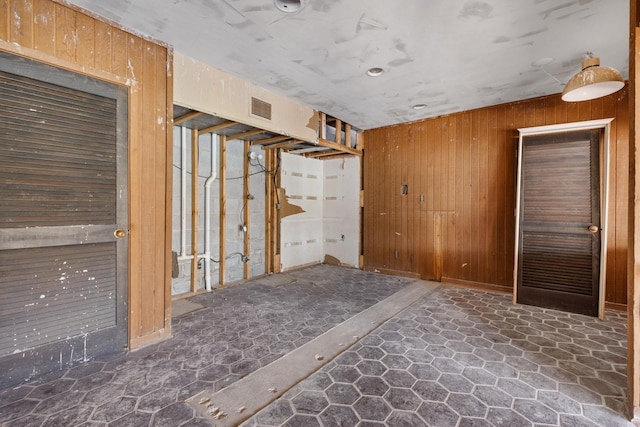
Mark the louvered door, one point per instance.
(63, 205)
(559, 233)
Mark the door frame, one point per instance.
(605, 125)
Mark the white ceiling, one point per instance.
(452, 55)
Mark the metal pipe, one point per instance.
(207, 212)
(183, 195)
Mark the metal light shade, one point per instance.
(592, 82)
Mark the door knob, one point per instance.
(593, 228)
(120, 233)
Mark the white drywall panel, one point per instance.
(301, 233)
(341, 210)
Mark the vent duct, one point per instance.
(260, 108)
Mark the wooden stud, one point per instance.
(323, 126)
(339, 147)
(186, 117)
(269, 201)
(247, 202)
(276, 212)
(338, 132)
(269, 140)
(194, 208)
(347, 134)
(245, 134)
(217, 127)
(283, 144)
(223, 207)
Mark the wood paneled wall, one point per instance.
(63, 36)
(463, 167)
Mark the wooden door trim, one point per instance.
(604, 124)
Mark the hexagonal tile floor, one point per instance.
(462, 357)
(241, 329)
(457, 357)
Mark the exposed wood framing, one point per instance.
(194, 209)
(339, 147)
(270, 140)
(186, 117)
(283, 144)
(247, 217)
(218, 127)
(269, 215)
(223, 207)
(245, 134)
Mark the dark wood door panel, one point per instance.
(558, 257)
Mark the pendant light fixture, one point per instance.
(594, 81)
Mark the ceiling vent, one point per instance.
(260, 108)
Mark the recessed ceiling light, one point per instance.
(288, 6)
(419, 106)
(375, 71)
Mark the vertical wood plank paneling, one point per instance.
(21, 22)
(74, 40)
(103, 49)
(465, 164)
(4, 20)
(119, 43)
(66, 36)
(85, 50)
(44, 27)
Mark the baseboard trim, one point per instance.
(477, 285)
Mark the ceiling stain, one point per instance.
(400, 61)
(476, 9)
(502, 39)
(547, 13)
(533, 33)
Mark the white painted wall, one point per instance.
(341, 209)
(301, 234)
(329, 193)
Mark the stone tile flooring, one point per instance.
(462, 357)
(241, 329)
(458, 357)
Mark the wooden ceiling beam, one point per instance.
(283, 144)
(339, 147)
(269, 140)
(190, 115)
(218, 127)
(245, 134)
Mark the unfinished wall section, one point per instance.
(209, 168)
(341, 211)
(301, 211)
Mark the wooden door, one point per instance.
(63, 219)
(559, 224)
